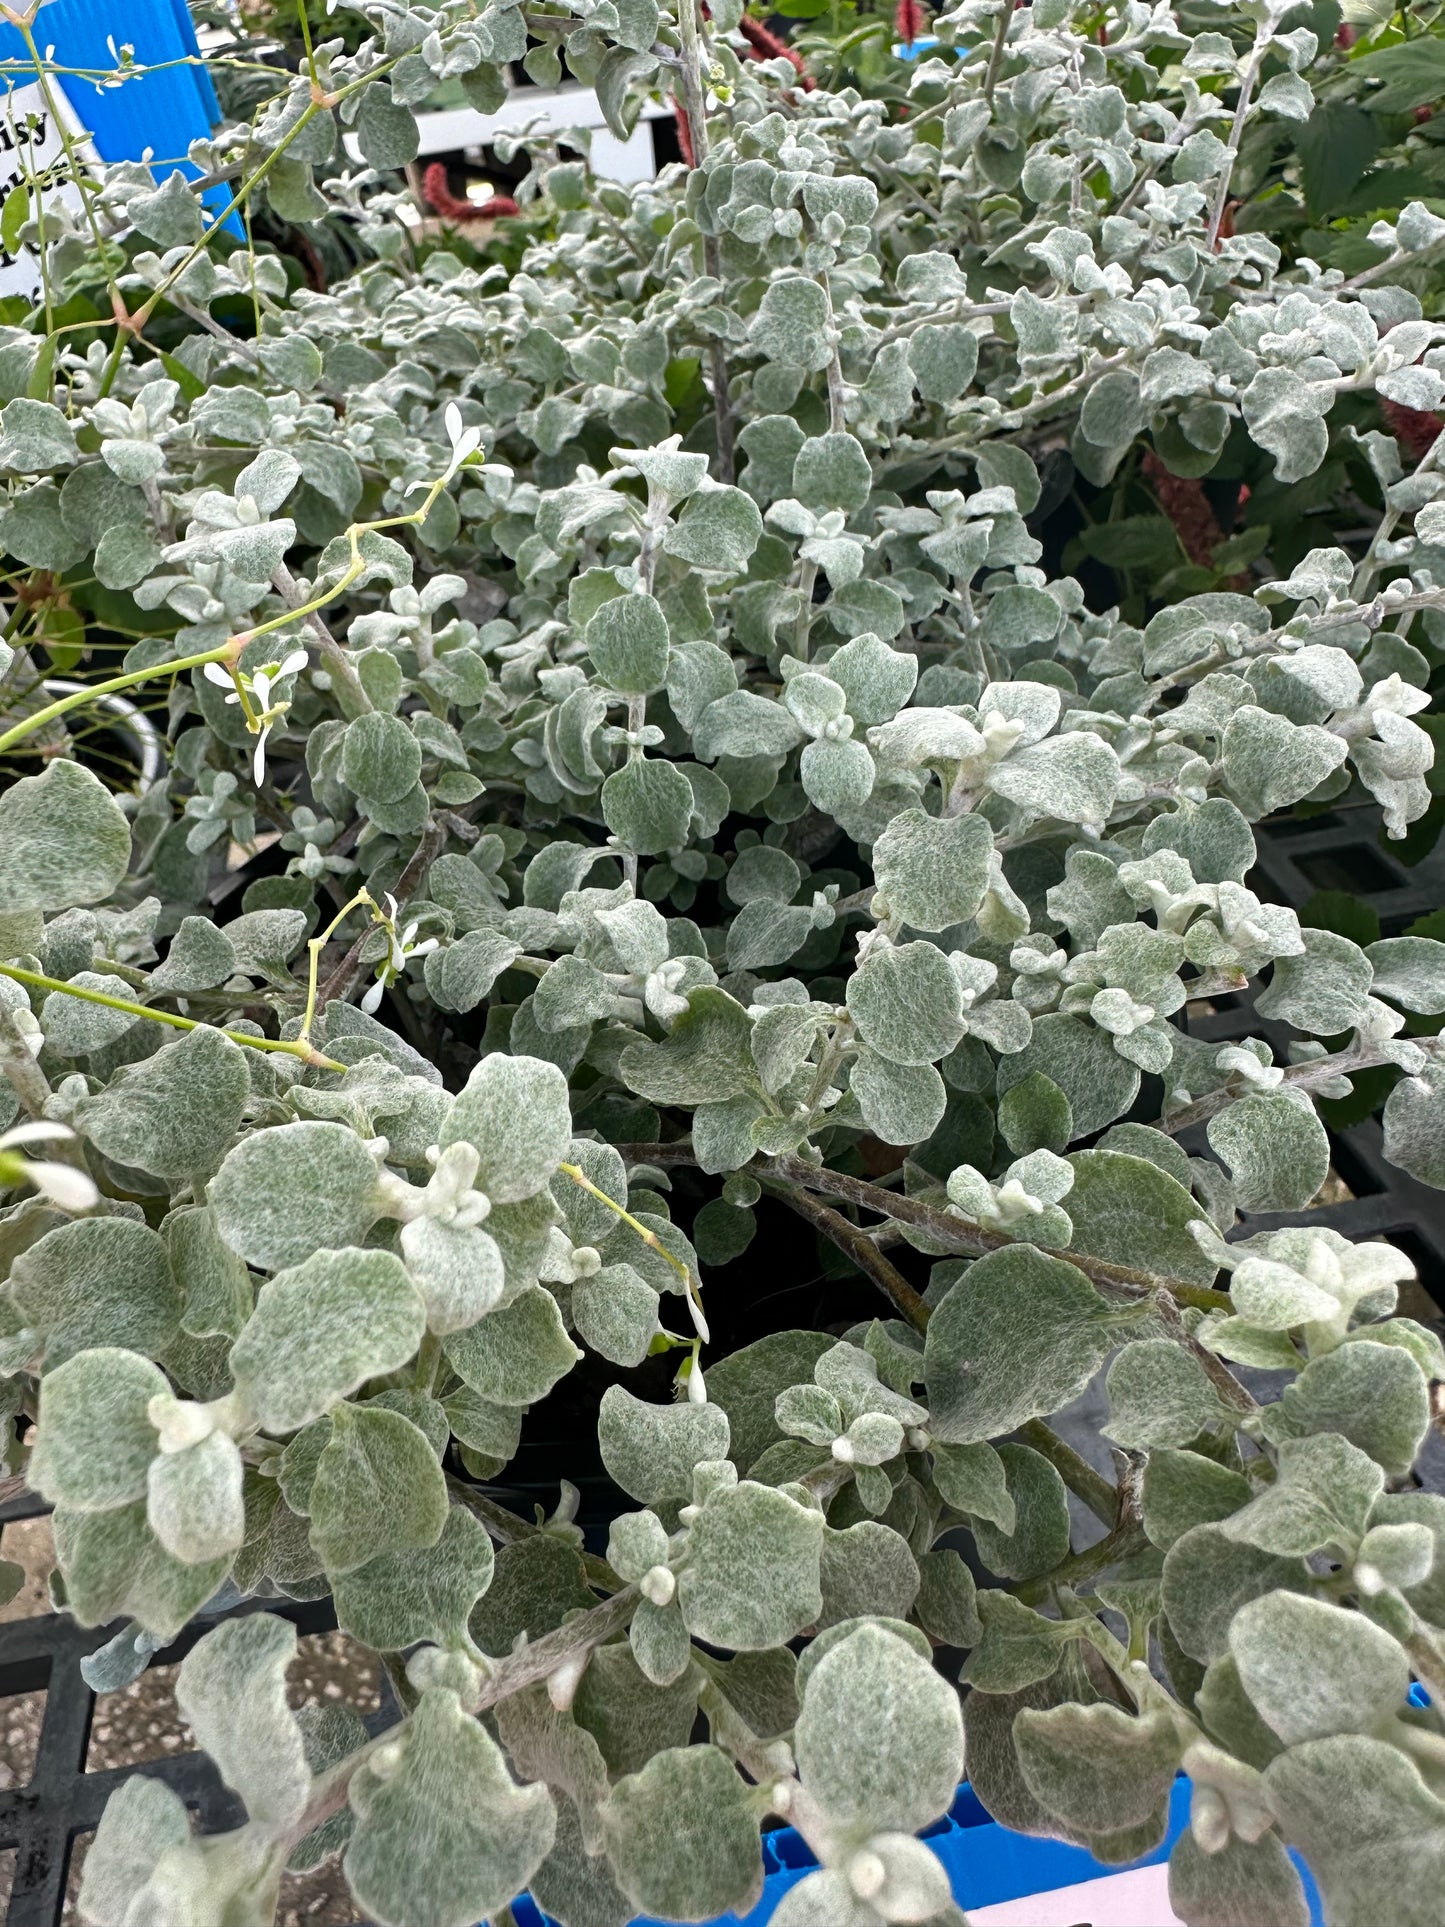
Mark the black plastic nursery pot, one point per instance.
(785, 1279)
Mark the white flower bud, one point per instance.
(1209, 1819)
(866, 1874)
(181, 1423)
(563, 1683)
(658, 1585)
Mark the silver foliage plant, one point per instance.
(521, 674)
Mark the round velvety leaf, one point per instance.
(906, 1003)
(628, 641)
(832, 472)
(933, 871)
(380, 757)
(174, 1114)
(515, 1112)
(1276, 1149)
(63, 840)
(322, 1329)
(1131, 1212)
(1081, 1059)
(879, 1742)
(647, 805)
(97, 1281)
(297, 1188)
(1017, 1337)
(95, 1440)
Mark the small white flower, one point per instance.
(62, 1185)
(465, 441)
(696, 1387)
(400, 947)
(259, 686)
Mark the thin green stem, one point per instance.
(34, 981)
(227, 652)
(313, 962)
(83, 184)
(306, 43)
(650, 1238)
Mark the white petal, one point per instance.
(696, 1388)
(261, 689)
(258, 761)
(213, 672)
(372, 998)
(453, 420)
(37, 1133)
(699, 1323)
(410, 932)
(425, 949)
(72, 1190)
(392, 906)
(294, 663)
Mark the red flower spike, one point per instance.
(1414, 429)
(684, 134)
(767, 46)
(442, 201)
(1183, 500)
(1345, 37)
(908, 22)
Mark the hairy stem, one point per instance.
(507, 1529)
(1121, 1543)
(433, 840)
(355, 701)
(975, 1240)
(960, 1235)
(1262, 37)
(22, 1073)
(857, 1245)
(1078, 1475)
(529, 1666)
(1000, 39)
(1309, 1076)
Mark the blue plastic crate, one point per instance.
(162, 111)
(986, 1863)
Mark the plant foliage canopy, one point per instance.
(708, 698)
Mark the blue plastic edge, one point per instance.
(986, 1863)
(164, 111)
